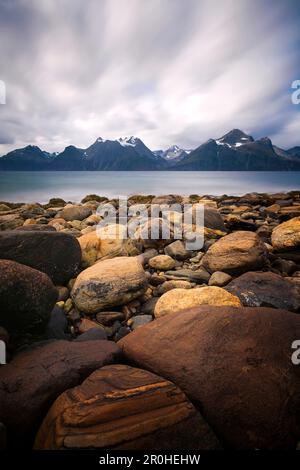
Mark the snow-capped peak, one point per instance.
(128, 141)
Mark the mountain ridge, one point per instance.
(234, 151)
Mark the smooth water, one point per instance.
(18, 186)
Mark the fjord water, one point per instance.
(40, 186)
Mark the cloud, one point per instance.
(169, 71)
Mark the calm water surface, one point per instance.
(18, 186)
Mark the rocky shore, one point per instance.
(142, 344)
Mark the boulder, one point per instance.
(235, 364)
(177, 250)
(162, 262)
(181, 299)
(72, 212)
(286, 236)
(236, 253)
(35, 378)
(213, 219)
(219, 279)
(27, 297)
(108, 242)
(124, 408)
(266, 290)
(109, 283)
(56, 254)
(10, 221)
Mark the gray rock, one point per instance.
(91, 335)
(140, 320)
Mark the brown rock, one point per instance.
(236, 253)
(162, 262)
(235, 363)
(181, 299)
(106, 318)
(72, 212)
(56, 254)
(286, 236)
(219, 279)
(35, 378)
(120, 407)
(27, 297)
(266, 290)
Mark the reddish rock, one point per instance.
(56, 254)
(35, 378)
(120, 407)
(27, 297)
(235, 363)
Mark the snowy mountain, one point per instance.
(235, 151)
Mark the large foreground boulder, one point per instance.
(120, 407)
(109, 283)
(181, 299)
(56, 254)
(35, 378)
(266, 290)
(286, 236)
(236, 253)
(27, 297)
(235, 364)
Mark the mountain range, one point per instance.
(235, 151)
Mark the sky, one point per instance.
(167, 71)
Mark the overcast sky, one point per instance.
(168, 71)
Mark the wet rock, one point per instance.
(149, 306)
(266, 290)
(35, 378)
(27, 297)
(108, 284)
(235, 363)
(236, 253)
(53, 253)
(141, 411)
(181, 299)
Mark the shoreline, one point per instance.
(76, 308)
